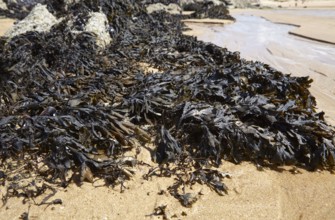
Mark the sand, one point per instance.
(307, 26)
(297, 4)
(5, 24)
(253, 194)
(208, 21)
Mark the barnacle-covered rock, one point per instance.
(3, 5)
(39, 19)
(171, 8)
(98, 24)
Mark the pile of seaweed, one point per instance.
(200, 9)
(69, 107)
(208, 9)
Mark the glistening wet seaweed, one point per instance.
(69, 107)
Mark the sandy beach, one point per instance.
(253, 194)
(285, 193)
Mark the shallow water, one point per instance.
(259, 39)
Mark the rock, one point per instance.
(39, 19)
(245, 3)
(3, 5)
(11, 2)
(98, 24)
(171, 8)
(68, 2)
(217, 2)
(185, 2)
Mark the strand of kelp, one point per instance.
(71, 106)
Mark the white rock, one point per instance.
(185, 2)
(39, 19)
(171, 8)
(216, 2)
(244, 3)
(68, 2)
(98, 24)
(3, 5)
(12, 2)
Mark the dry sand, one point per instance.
(253, 194)
(5, 24)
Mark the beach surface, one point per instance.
(284, 193)
(314, 24)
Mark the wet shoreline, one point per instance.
(307, 21)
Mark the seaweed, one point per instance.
(168, 148)
(188, 177)
(74, 110)
(207, 9)
(160, 211)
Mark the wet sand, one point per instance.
(309, 23)
(253, 194)
(208, 21)
(319, 4)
